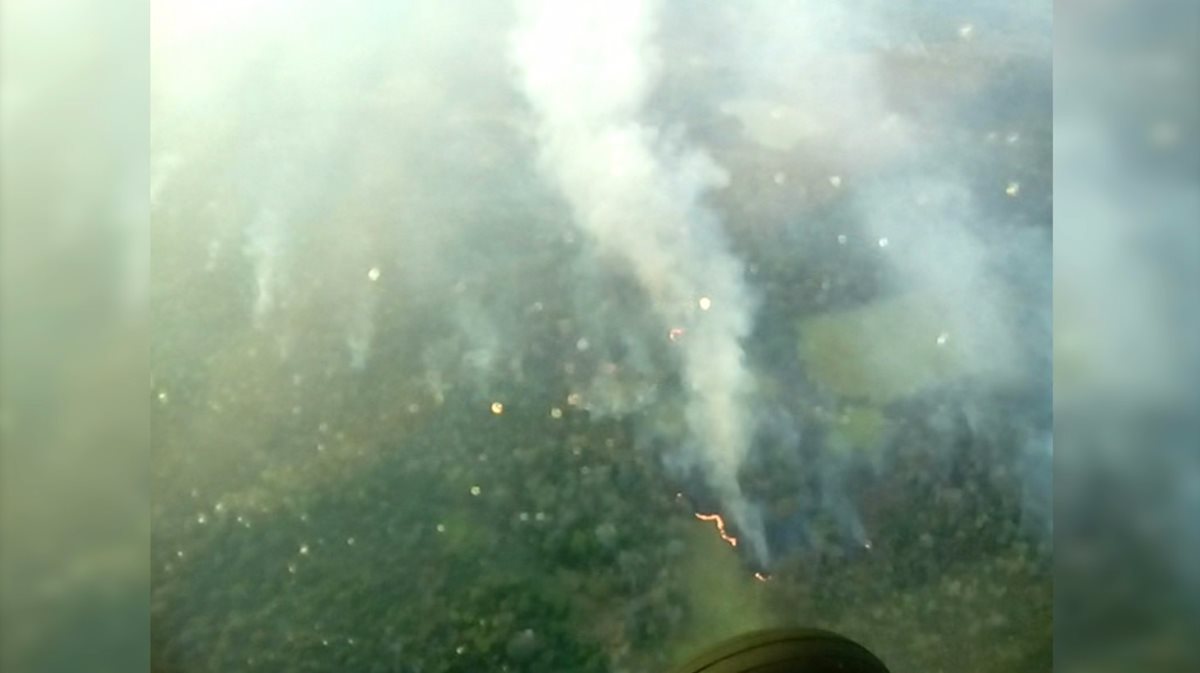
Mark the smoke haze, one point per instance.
(558, 277)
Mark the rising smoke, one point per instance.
(852, 140)
(636, 189)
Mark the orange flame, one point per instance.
(720, 527)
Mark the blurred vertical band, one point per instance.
(74, 479)
(1127, 371)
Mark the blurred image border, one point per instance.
(74, 433)
(1127, 371)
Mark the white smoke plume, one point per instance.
(587, 69)
(264, 247)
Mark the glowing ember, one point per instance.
(720, 527)
(675, 334)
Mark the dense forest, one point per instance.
(411, 412)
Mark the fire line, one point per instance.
(720, 527)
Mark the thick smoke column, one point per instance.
(587, 68)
